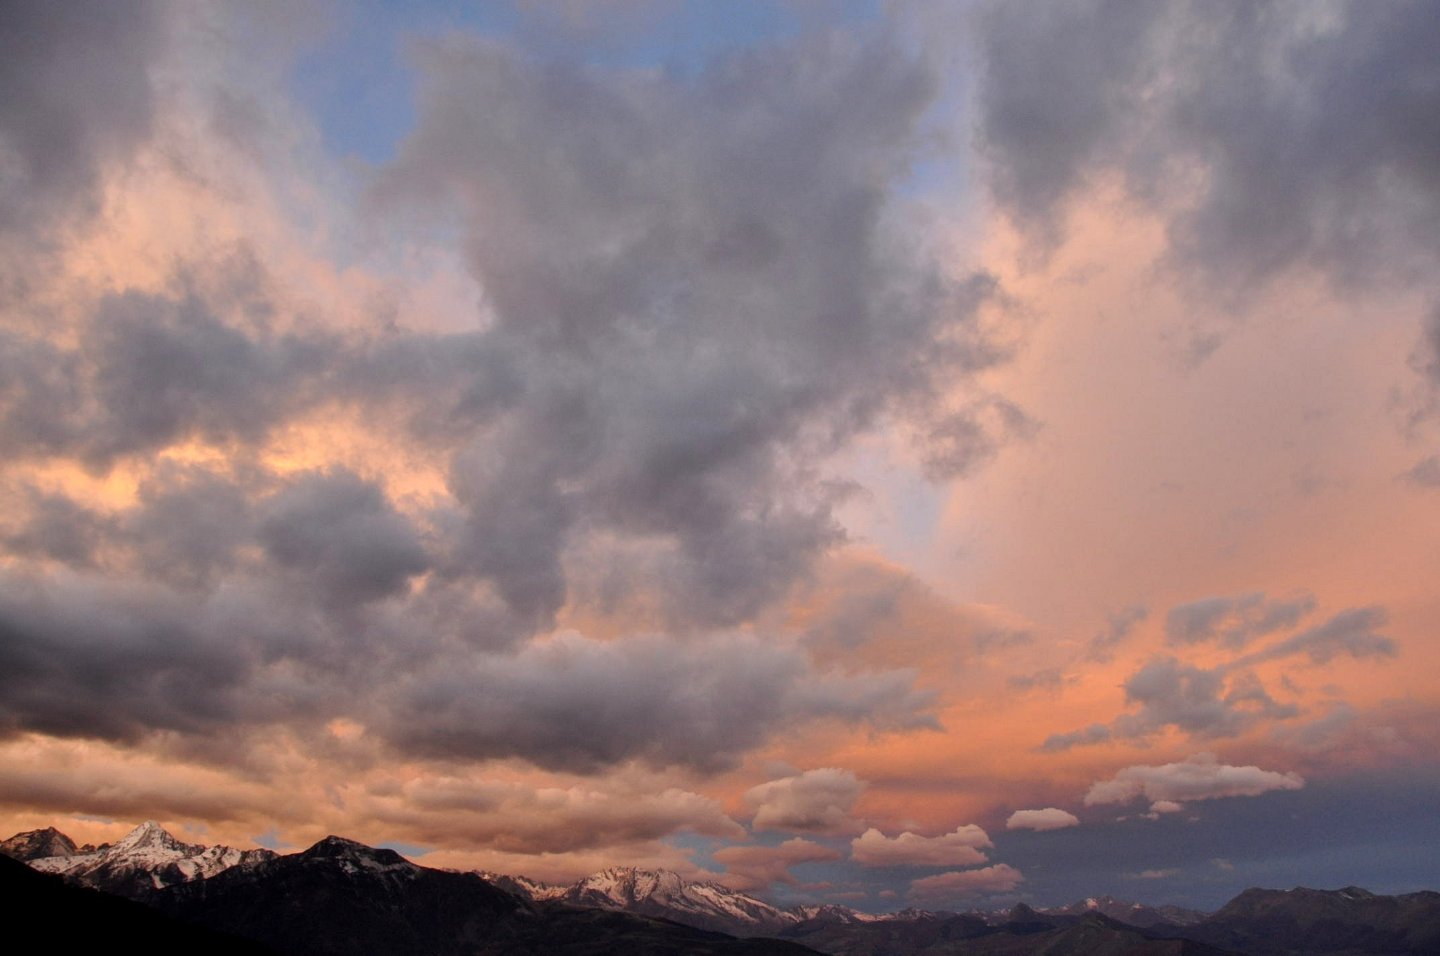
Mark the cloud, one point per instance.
(1227, 700)
(816, 801)
(1201, 777)
(1051, 679)
(1120, 625)
(1350, 632)
(1268, 136)
(151, 371)
(960, 847)
(1196, 700)
(1233, 621)
(82, 656)
(1426, 472)
(676, 287)
(342, 535)
(1094, 734)
(79, 100)
(669, 353)
(1157, 874)
(752, 868)
(579, 704)
(513, 817)
(1050, 818)
(964, 884)
(1202, 702)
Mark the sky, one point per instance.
(890, 454)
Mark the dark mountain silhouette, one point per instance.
(342, 898)
(1344, 922)
(73, 919)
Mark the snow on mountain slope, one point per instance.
(1134, 914)
(523, 886)
(145, 859)
(668, 895)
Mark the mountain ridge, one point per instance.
(337, 886)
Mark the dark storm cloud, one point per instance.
(77, 97)
(342, 535)
(1271, 134)
(80, 657)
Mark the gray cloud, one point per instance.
(1199, 701)
(1234, 621)
(77, 97)
(1120, 626)
(1351, 632)
(696, 291)
(575, 704)
(1426, 472)
(1094, 734)
(56, 528)
(84, 658)
(703, 288)
(1196, 700)
(1228, 699)
(1267, 137)
(1270, 135)
(150, 371)
(1051, 679)
(187, 525)
(341, 533)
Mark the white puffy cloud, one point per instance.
(960, 847)
(1201, 777)
(816, 801)
(1000, 878)
(1050, 818)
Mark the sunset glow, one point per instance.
(902, 454)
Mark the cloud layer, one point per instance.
(1201, 777)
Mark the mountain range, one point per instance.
(341, 897)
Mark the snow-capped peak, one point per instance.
(148, 834)
(356, 857)
(147, 858)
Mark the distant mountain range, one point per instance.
(341, 897)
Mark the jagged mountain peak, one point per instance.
(39, 844)
(143, 861)
(1023, 912)
(354, 856)
(632, 884)
(149, 834)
